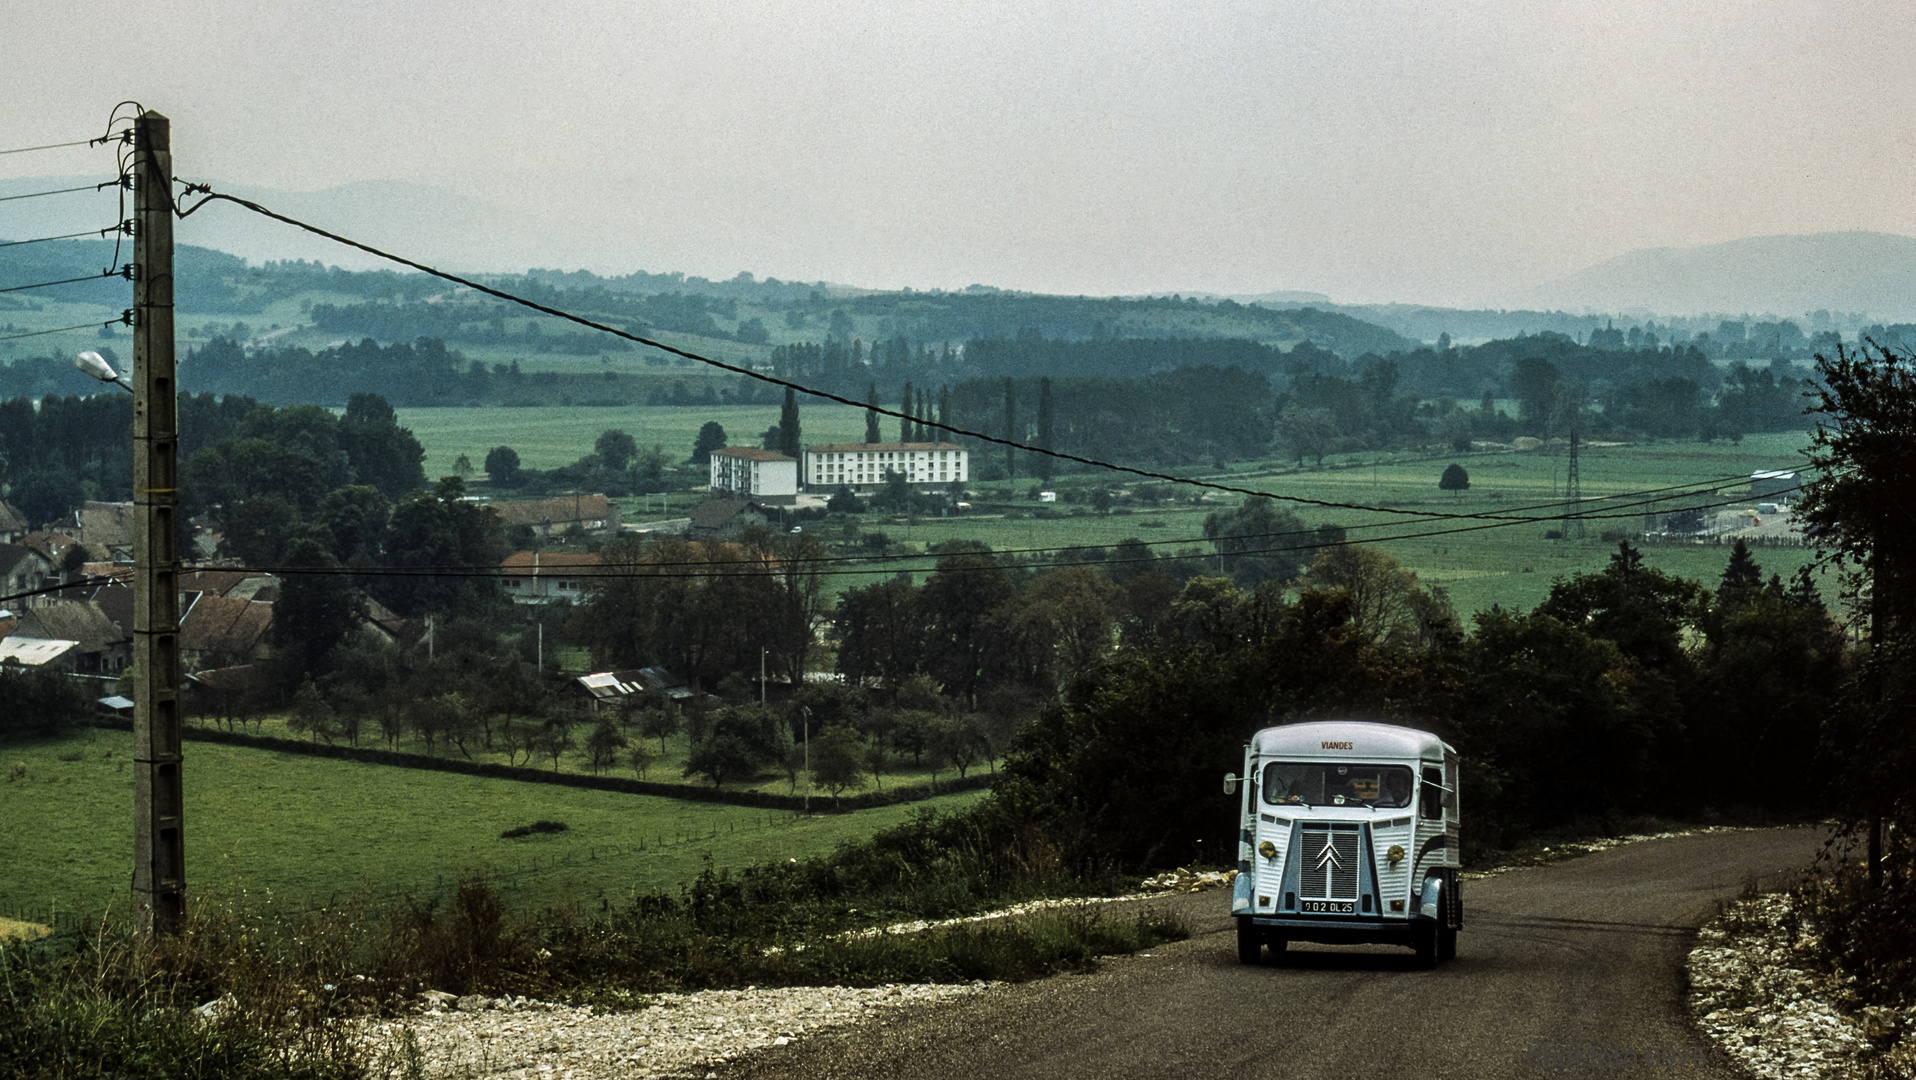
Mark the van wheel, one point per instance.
(1446, 944)
(1250, 944)
(1424, 940)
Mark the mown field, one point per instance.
(290, 829)
(545, 438)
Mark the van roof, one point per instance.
(1347, 740)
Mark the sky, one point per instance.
(1451, 153)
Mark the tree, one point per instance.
(603, 745)
(1863, 457)
(721, 756)
(711, 437)
(905, 407)
(838, 760)
(1454, 479)
(659, 722)
(616, 450)
(314, 613)
(1382, 593)
(844, 502)
(1259, 542)
(1047, 421)
(790, 443)
(872, 434)
(502, 466)
(1012, 434)
(383, 454)
(437, 530)
(640, 755)
(1741, 574)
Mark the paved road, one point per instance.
(1587, 952)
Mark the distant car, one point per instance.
(798, 528)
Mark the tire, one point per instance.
(1446, 944)
(1250, 944)
(1424, 940)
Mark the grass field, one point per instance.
(669, 768)
(303, 830)
(1512, 566)
(545, 438)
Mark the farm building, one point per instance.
(622, 689)
(1775, 485)
(550, 517)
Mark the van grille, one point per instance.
(1329, 870)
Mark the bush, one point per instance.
(536, 828)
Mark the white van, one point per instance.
(1348, 836)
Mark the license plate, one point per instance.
(1330, 907)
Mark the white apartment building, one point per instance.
(746, 472)
(862, 467)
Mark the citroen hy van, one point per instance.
(1348, 836)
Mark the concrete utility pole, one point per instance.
(159, 863)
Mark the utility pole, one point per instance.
(159, 850)
(1573, 493)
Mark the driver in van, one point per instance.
(1396, 789)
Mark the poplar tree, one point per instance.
(1011, 430)
(1046, 419)
(788, 436)
(904, 407)
(871, 413)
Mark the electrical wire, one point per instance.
(59, 191)
(50, 146)
(126, 319)
(192, 189)
(125, 227)
(123, 272)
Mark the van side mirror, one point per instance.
(1230, 784)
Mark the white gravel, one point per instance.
(669, 1035)
(1759, 991)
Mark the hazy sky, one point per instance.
(1372, 150)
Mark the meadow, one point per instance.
(292, 830)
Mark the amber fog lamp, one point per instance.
(1267, 849)
(1395, 854)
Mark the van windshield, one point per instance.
(1323, 783)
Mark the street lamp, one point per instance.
(95, 365)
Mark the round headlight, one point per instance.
(1267, 849)
(1395, 854)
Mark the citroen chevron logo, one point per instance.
(1328, 857)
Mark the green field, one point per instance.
(303, 830)
(1512, 566)
(545, 438)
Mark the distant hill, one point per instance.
(1779, 275)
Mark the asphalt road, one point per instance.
(1583, 953)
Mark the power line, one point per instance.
(123, 272)
(59, 191)
(50, 146)
(125, 227)
(211, 196)
(126, 319)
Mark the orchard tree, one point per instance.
(1454, 479)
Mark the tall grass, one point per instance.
(248, 991)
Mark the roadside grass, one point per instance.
(306, 831)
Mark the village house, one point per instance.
(540, 577)
(764, 476)
(220, 631)
(23, 569)
(550, 517)
(99, 646)
(723, 519)
(863, 467)
(13, 524)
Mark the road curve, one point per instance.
(1583, 953)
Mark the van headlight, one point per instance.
(1395, 854)
(1267, 849)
